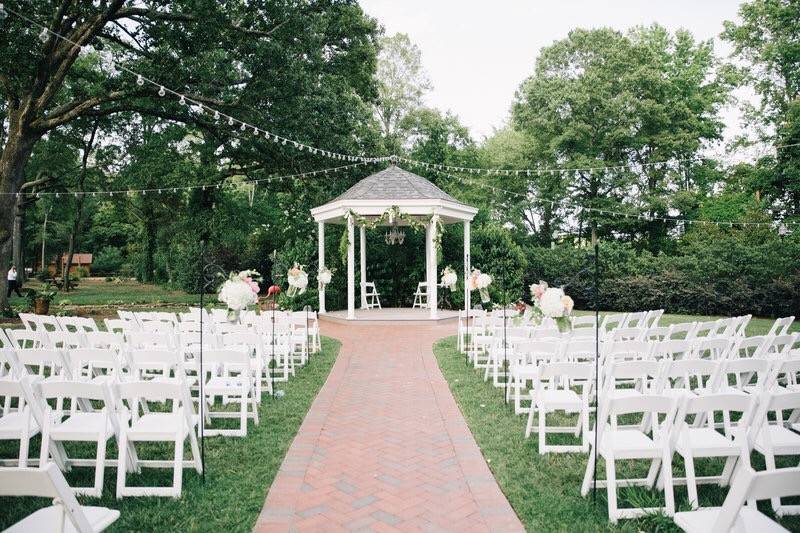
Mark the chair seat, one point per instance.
(158, 426)
(703, 520)
(82, 425)
(628, 443)
(784, 441)
(706, 442)
(557, 399)
(49, 518)
(226, 384)
(11, 425)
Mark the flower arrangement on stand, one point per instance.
(324, 277)
(553, 303)
(298, 281)
(239, 292)
(480, 281)
(449, 278)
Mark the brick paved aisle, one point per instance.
(384, 446)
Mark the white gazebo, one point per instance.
(393, 197)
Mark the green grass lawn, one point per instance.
(239, 471)
(544, 490)
(98, 291)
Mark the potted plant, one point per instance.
(39, 299)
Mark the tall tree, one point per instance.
(243, 57)
(766, 40)
(402, 82)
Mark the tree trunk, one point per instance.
(13, 159)
(76, 222)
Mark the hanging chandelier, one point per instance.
(395, 236)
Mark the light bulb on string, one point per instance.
(255, 130)
(161, 91)
(182, 100)
(139, 80)
(44, 35)
(242, 127)
(216, 115)
(230, 121)
(3, 12)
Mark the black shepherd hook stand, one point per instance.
(596, 298)
(212, 273)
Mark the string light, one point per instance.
(3, 12)
(161, 91)
(216, 115)
(139, 80)
(182, 100)
(44, 35)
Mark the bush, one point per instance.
(109, 260)
(719, 274)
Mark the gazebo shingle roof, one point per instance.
(395, 183)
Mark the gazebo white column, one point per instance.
(467, 266)
(363, 263)
(351, 268)
(432, 263)
(321, 244)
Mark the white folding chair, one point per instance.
(527, 356)
(105, 339)
(733, 515)
(672, 350)
(24, 339)
(114, 325)
(554, 391)
(748, 347)
(99, 365)
(234, 381)
(613, 321)
(775, 439)
(253, 344)
(23, 423)
(29, 321)
(779, 327)
(715, 348)
(48, 323)
(631, 442)
(683, 330)
(372, 295)
(692, 441)
(65, 515)
(653, 317)
(172, 424)
(635, 320)
(421, 296)
(79, 425)
(584, 321)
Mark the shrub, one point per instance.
(109, 260)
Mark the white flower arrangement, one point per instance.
(551, 302)
(480, 281)
(298, 280)
(240, 290)
(324, 277)
(449, 278)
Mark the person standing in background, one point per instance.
(12, 282)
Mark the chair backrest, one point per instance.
(635, 320)
(146, 360)
(148, 339)
(584, 321)
(711, 348)
(370, 287)
(578, 349)
(24, 339)
(725, 403)
(642, 373)
(77, 324)
(228, 356)
(93, 359)
(747, 484)
(29, 321)
(739, 373)
(250, 340)
(48, 323)
(625, 334)
(747, 347)
(672, 349)
(626, 350)
(683, 330)
(707, 328)
(736, 326)
(554, 371)
(422, 286)
(66, 340)
(45, 482)
(653, 318)
(128, 316)
(84, 390)
(656, 333)
(612, 321)
(36, 360)
(104, 339)
(653, 404)
(783, 372)
(533, 352)
(690, 374)
(117, 325)
(779, 345)
(779, 327)
(158, 326)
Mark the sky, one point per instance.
(477, 52)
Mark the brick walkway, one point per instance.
(384, 446)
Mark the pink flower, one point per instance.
(273, 290)
(253, 286)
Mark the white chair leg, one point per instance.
(542, 429)
(669, 494)
(611, 488)
(123, 451)
(691, 481)
(177, 475)
(100, 466)
(529, 424)
(588, 475)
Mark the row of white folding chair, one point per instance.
(686, 425)
(84, 423)
(47, 323)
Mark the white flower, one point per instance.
(299, 280)
(449, 278)
(325, 277)
(483, 281)
(551, 303)
(236, 294)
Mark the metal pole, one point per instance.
(272, 363)
(596, 362)
(505, 345)
(200, 371)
